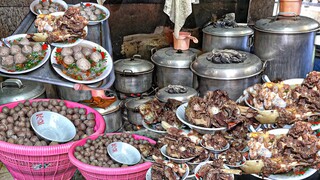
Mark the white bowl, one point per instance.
(101, 7)
(35, 2)
(181, 114)
(176, 160)
(216, 151)
(185, 176)
(52, 126)
(203, 163)
(124, 153)
(147, 126)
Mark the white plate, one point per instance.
(66, 44)
(149, 176)
(286, 176)
(90, 44)
(181, 114)
(44, 60)
(147, 126)
(101, 7)
(35, 2)
(204, 163)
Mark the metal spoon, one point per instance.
(5, 42)
(265, 78)
(39, 11)
(59, 66)
(82, 5)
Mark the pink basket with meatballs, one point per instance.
(100, 166)
(28, 157)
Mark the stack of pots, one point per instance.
(231, 77)
(173, 67)
(133, 75)
(287, 43)
(238, 38)
(16, 90)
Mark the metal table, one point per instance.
(99, 34)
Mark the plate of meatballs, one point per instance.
(22, 56)
(85, 63)
(93, 12)
(48, 6)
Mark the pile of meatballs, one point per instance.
(92, 13)
(48, 7)
(17, 53)
(80, 55)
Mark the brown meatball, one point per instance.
(19, 58)
(7, 61)
(4, 51)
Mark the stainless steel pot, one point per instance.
(238, 38)
(233, 77)
(15, 90)
(133, 75)
(173, 67)
(70, 94)
(288, 44)
(132, 107)
(177, 92)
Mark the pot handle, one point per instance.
(286, 13)
(127, 72)
(135, 56)
(250, 41)
(153, 50)
(11, 83)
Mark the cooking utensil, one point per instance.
(123, 153)
(52, 126)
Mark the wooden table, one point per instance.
(99, 34)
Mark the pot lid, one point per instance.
(250, 66)
(112, 108)
(177, 92)
(283, 24)
(134, 103)
(15, 90)
(241, 30)
(133, 65)
(169, 57)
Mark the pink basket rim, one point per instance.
(104, 170)
(46, 150)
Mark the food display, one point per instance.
(92, 12)
(15, 126)
(232, 157)
(214, 170)
(65, 27)
(23, 55)
(48, 6)
(216, 141)
(168, 170)
(281, 150)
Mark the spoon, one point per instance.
(82, 5)
(59, 66)
(265, 78)
(39, 11)
(5, 42)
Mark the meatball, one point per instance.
(87, 9)
(19, 58)
(4, 51)
(45, 7)
(68, 60)
(24, 41)
(45, 12)
(53, 5)
(76, 49)
(45, 3)
(83, 64)
(51, 9)
(7, 61)
(38, 6)
(86, 51)
(67, 51)
(26, 49)
(96, 56)
(37, 47)
(78, 55)
(89, 13)
(82, 13)
(15, 49)
(93, 17)
(98, 11)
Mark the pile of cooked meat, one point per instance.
(214, 110)
(212, 171)
(166, 170)
(216, 141)
(68, 27)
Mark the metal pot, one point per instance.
(238, 38)
(173, 67)
(133, 75)
(70, 94)
(233, 77)
(132, 107)
(177, 92)
(16, 90)
(288, 43)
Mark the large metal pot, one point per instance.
(70, 94)
(15, 90)
(132, 106)
(233, 77)
(177, 92)
(287, 43)
(133, 75)
(238, 38)
(173, 67)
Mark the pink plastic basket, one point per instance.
(137, 172)
(43, 162)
